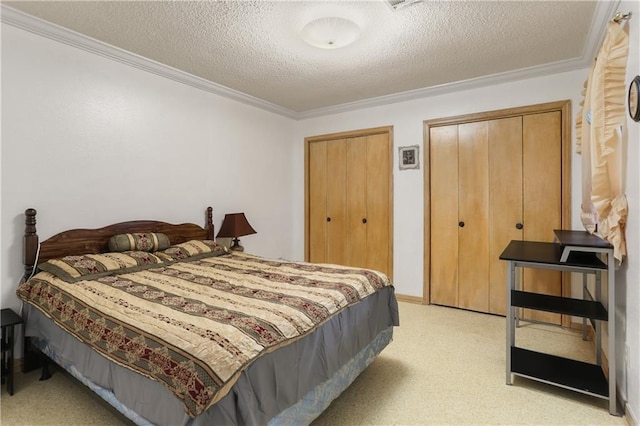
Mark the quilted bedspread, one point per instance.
(195, 325)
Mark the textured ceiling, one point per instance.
(255, 47)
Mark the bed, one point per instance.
(170, 328)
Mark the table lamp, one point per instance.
(233, 226)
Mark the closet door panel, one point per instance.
(443, 142)
(356, 199)
(378, 213)
(505, 202)
(473, 213)
(318, 202)
(336, 201)
(542, 149)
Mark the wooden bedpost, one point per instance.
(32, 358)
(209, 228)
(30, 246)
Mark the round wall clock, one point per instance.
(634, 98)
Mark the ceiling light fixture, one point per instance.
(330, 32)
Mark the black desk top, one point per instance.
(549, 254)
(580, 239)
(10, 318)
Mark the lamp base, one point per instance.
(236, 245)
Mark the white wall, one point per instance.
(628, 278)
(88, 141)
(407, 121)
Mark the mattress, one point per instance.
(291, 384)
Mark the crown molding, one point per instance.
(603, 13)
(474, 83)
(55, 32)
(605, 10)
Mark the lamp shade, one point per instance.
(235, 225)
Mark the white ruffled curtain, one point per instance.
(599, 139)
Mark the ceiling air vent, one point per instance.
(400, 4)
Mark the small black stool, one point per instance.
(9, 320)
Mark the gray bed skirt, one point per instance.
(322, 364)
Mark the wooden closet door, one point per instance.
(517, 184)
(378, 195)
(349, 199)
(542, 166)
(505, 202)
(336, 201)
(356, 202)
(443, 164)
(473, 216)
(317, 192)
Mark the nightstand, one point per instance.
(9, 320)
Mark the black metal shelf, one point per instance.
(568, 373)
(546, 254)
(573, 251)
(560, 305)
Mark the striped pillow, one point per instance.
(149, 241)
(193, 249)
(91, 266)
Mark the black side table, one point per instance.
(9, 320)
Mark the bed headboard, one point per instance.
(83, 241)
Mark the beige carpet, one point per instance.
(444, 367)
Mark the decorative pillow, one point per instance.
(191, 249)
(91, 266)
(151, 241)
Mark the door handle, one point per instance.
(364, 220)
(461, 224)
(519, 225)
(328, 219)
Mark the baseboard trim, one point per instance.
(629, 416)
(17, 365)
(410, 299)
